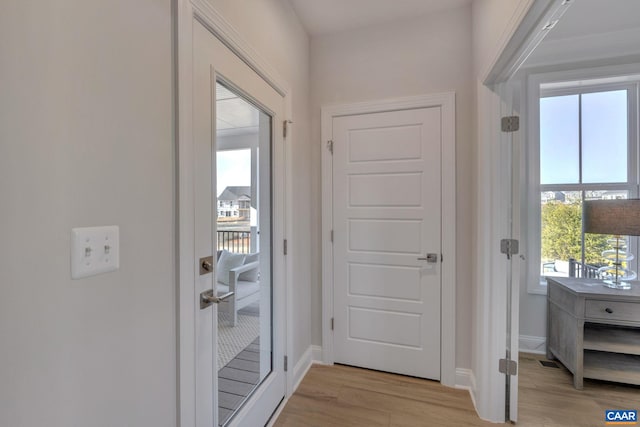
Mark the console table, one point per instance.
(594, 330)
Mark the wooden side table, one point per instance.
(594, 330)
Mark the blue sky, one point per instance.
(604, 138)
(233, 168)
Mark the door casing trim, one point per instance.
(446, 101)
(185, 11)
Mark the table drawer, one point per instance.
(612, 310)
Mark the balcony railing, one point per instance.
(587, 271)
(235, 241)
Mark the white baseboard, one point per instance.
(316, 354)
(473, 390)
(466, 380)
(531, 344)
(463, 378)
(301, 368)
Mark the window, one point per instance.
(587, 150)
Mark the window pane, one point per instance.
(604, 137)
(562, 239)
(559, 144)
(561, 229)
(596, 244)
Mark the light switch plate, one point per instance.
(94, 250)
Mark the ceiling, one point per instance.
(586, 17)
(234, 115)
(591, 30)
(321, 17)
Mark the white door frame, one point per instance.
(524, 32)
(446, 101)
(186, 12)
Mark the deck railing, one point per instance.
(234, 241)
(578, 269)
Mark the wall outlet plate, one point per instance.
(94, 250)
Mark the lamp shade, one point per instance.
(620, 217)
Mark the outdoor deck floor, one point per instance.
(237, 380)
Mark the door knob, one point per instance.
(207, 298)
(206, 265)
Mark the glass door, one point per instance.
(244, 248)
(239, 215)
(510, 245)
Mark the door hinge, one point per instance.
(509, 367)
(509, 247)
(285, 124)
(510, 124)
(331, 236)
(285, 246)
(330, 146)
(286, 363)
(332, 323)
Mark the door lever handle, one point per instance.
(430, 258)
(207, 298)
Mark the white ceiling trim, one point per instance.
(586, 48)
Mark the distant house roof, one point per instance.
(236, 193)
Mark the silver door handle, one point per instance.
(207, 298)
(430, 258)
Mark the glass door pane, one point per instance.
(243, 234)
(510, 155)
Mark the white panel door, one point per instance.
(387, 219)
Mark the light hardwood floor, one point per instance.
(547, 397)
(346, 396)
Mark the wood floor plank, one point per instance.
(229, 401)
(392, 384)
(234, 387)
(248, 355)
(245, 365)
(547, 397)
(253, 347)
(307, 411)
(239, 375)
(346, 396)
(223, 415)
(406, 411)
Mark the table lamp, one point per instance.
(620, 217)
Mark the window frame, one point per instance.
(536, 283)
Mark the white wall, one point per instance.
(272, 28)
(418, 56)
(492, 26)
(86, 139)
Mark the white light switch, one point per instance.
(94, 250)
